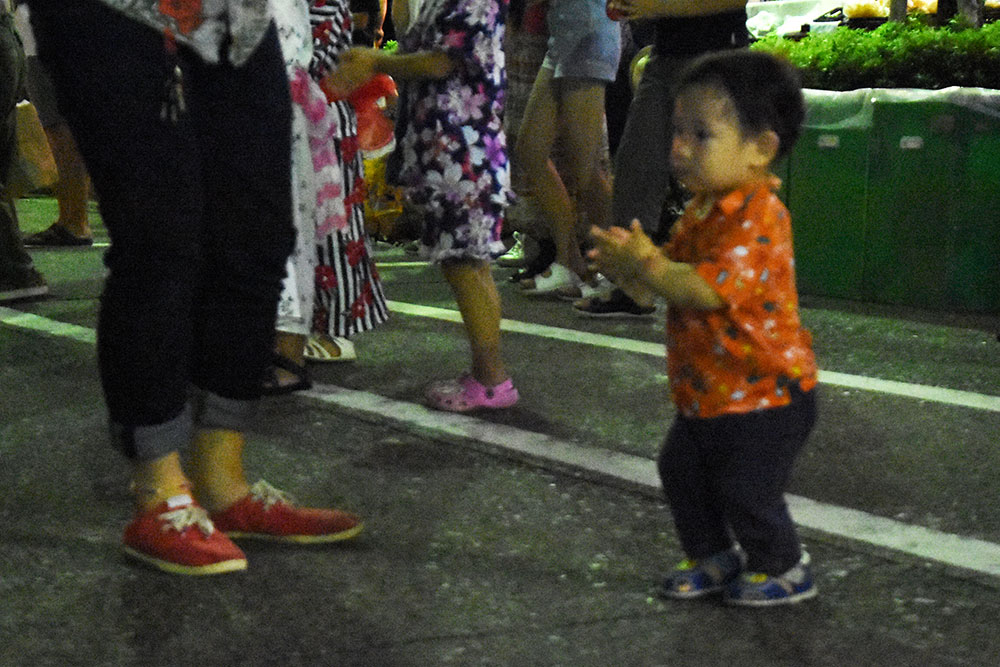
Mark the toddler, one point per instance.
(742, 370)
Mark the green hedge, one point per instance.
(895, 55)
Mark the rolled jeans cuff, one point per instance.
(148, 443)
(212, 411)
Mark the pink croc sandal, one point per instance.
(466, 393)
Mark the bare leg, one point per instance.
(479, 303)
(73, 187)
(217, 468)
(536, 137)
(582, 121)
(292, 347)
(576, 108)
(595, 200)
(155, 481)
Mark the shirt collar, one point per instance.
(734, 201)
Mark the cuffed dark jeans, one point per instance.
(15, 263)
(199, 215)
(725, 478)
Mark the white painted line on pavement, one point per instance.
(34, 322)
(539, 449)
(396, 265)
(541, 330)
(963, 552)
(957, 397)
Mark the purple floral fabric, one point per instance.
(452, 152)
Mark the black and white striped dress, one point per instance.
(346, 292)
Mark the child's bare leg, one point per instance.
(535, 140)
(479, 302)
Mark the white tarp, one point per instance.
(785, 16)
(853, 108)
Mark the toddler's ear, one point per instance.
(767, 145)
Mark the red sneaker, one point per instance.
(267, 513)
(178, 537)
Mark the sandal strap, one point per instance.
(286, 364)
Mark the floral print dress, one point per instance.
(451, 155)
(332, 286)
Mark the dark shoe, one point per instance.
(31, 285)
(272, 386)
(546, 255)
(57, 236)
(615, 304)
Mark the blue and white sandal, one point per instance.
(695, 578)
(756, 589)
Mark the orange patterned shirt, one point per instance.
(743, 356)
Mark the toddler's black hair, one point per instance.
(765, 90)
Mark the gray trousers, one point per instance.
(643, 185)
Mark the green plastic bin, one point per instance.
(826, 193)
(895, 197)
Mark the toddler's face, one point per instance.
(710, 155)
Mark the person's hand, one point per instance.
(356, 67)
(630, 10)
(622, 254)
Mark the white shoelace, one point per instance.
(269, 495)
(185, 517)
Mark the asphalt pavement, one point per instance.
(533, 536)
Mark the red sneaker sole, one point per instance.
(300, 539)
(221, 567)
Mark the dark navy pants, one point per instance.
(199, 215)
(725, 479)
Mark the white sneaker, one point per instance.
(550, 281)
(597, 287)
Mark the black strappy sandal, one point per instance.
(273, 387)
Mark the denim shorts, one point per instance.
(583, 41)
